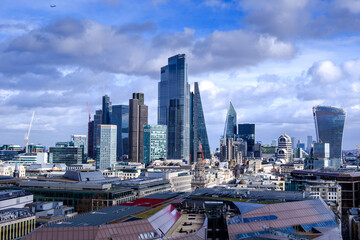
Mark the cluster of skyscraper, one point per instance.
(238, 140)
(181, 123)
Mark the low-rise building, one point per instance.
(8, 170)
(16, 223)
(14, 199)
(180, 180)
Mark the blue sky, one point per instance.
(274, 60)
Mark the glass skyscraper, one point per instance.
(154, 143)
(329, 126)
(246, 131)
(106, 150)
(107, 110)
(230, 124)
(120, 118)
(174, 106)
(198, 126)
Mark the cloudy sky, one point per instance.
(273, 59)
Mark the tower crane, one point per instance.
(27, 135)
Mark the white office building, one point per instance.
(106, 150)
(80, 141)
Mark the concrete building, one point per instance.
(14, 199)
(180, 180)
(155, 144)
(31, 158)
(138, 117)
(8, 170)
(106, 150)
(284, 151)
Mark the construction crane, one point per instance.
(27, 135)
(87, 104)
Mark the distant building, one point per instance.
(80, 141)
(154, 143)
(120, 118)
(91, 139)
(14, 199)
(8, 170)
(230, 123)
(309, 140)
(36, 148)
(284, 150)
(138, 117)
(67, 154)
(329, 126)
(174, 106)
(106, 149)
(198, 126)
(97, 122)
(16, 223)
(246, 131)
(106, 110)
(180, 180)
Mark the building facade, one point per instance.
(97, 122)
(246, 131)
(106, 150)
(120, 118)
(230, 123)
(154, 143)
(329, 126)
(80, 141)
(174, 106)
(284, 151)
(198, 126)
(66, 154)
(138, 117)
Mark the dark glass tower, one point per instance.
(198, 126)
(138, 117)
(230, 124)
(107, 110)
(97, 122)
(247, 133)
(329, 126)
(90, 139)
(120, 118)
(174, 106)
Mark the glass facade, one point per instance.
(154, 143)
(230, 124)
(198, 126)
(97, 122)
(106, 109)
(246, 131)
(174, 106)
(120, 118)
(329, 126)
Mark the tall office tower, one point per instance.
(198, 126)
(230, 124)
(120, 118)
(246, 131)
(174, 106)
(284, 150)
(294, 142)
(138, 117)
(227, 149)
(91, 139)
(97, 122)
(106, 110)
(308, 143)
(106, 150)
(329, 127)
(154, 143)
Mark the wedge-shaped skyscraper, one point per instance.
(174, 106)
(230, 124)
(198, 126)
(329, 126)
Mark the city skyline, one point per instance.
(273, 82)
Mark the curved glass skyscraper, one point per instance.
(329, 126)
(230, 124)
